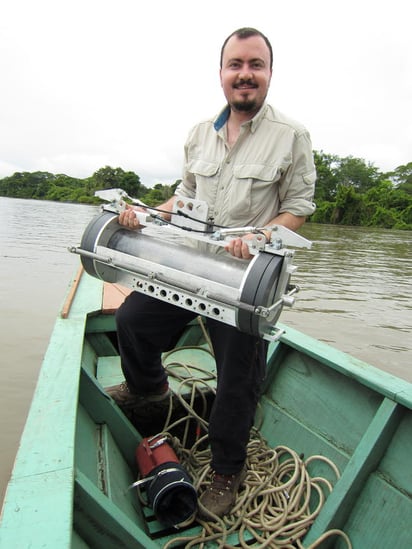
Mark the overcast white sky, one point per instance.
(90, 83)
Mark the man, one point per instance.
(253, 166)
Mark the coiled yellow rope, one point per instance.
(279, 501)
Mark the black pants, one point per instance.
(147, 327)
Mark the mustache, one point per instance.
(247, 82)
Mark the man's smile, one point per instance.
(245, 86)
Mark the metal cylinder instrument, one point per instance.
(247, 294)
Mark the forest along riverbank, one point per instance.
(355, 294)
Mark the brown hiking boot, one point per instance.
(128, 401)
(220, 496)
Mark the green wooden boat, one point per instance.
(76, 457)
(329, 463)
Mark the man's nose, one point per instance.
(245, 73)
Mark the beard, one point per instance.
(248, 105)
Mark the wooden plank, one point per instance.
(100, 324)
(37, 509)
(47, 441)
(281, 429)
(109, 371)
(339, 416)
(102, 344)
(113, 297)
(384, 383)
(78, 542)
(118, 476)
(102, 409)
(101, 523)
(99, 458)
(72, 292)
(396, 463)
(381, 517)
(38, 504)
(88, 298)
(182, 363)
(363, 462)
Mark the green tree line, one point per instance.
(349, 191)
(63, 188)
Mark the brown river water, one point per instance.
(355, 295)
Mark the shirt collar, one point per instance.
(221, 118)
(254, 122)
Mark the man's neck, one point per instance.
(240, 117)
(234, 122)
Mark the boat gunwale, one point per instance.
(386, 384)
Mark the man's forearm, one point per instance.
(167, 207)
(288, 220)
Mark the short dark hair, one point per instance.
(247, 32)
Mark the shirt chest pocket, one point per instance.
(206, 175)
(254, 190)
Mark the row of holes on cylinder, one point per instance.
(183, 300)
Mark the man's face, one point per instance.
(245, 74)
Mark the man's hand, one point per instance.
(238, 247)
(128, 217)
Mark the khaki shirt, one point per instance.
(269, 170)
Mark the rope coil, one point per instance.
(279, 501)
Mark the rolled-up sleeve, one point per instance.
(297, 186)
